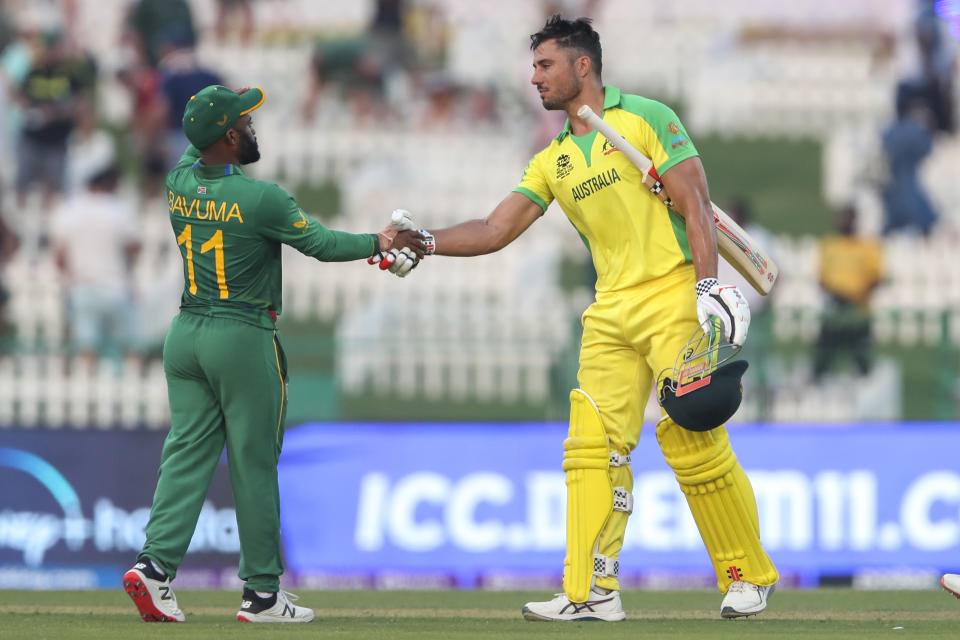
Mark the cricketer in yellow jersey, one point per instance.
(656, 282)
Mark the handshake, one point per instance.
(402, 246)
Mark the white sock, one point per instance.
(602, 591)
(157, 568)
(264, 594)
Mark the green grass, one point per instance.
(819, 613)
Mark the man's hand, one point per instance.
(401, 246)
(727, 303)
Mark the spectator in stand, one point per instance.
(151, 24)
(930, 66)
(181, 77)
(52, 96)
(95, 245)
(851, 267)
(234, 16)
(906, 144)
(148, 123)
(360, 68)
(9, 241)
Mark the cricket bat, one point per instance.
(733, 243)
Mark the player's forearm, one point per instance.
(702, 236)
(470, 238)
(328, 245)
(506, 222)
(686, 183)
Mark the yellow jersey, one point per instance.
(631, 235)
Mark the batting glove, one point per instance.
(402, 262)
(727, 303)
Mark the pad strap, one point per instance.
(604, 567)
(622, 500)
(617, 460)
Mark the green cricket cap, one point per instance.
(214, 109)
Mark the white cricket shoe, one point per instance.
(745, 599)
(277, 608)
(152, 593)
(951, 582)
(605, 607)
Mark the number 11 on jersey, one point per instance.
(215, 243)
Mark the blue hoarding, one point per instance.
(475, 500)
(73, 506)
(479, 505)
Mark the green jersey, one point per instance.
(230, 227)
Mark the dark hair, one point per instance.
(572, 34)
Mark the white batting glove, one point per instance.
(727, 303)
(402, 262)
(401, 219)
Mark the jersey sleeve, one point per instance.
(284, 221)
(534, 183)
(663, 137)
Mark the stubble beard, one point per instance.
(560, 103)
(249, 151)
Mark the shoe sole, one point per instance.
(138, 592)
(242, 617)
(730, 613)
(529, 614)
(949, 590)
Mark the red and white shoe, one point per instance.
(951, 582)
(152, 593)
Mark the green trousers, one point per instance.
(227, 385)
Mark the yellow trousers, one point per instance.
(629, 337)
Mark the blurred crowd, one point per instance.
(89, 179)
(86, 179)
(924, 108)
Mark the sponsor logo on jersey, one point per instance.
(204, 209)
(674, 128)
(678, 141)
(202, 190)
(564, 166)
(594, 184)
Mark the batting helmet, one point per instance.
(700, 392)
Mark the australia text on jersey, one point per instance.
(203, 209)
(594, 184)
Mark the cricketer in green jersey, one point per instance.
(225, 368)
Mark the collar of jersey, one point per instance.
(611, 98)
(217, 170)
